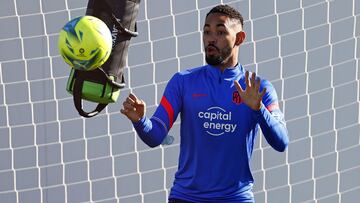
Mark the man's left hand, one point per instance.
(251, 95)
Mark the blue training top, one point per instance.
(217, 133)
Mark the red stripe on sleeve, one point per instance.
(169, 110)
(272, 107)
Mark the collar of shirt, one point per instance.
(229, 74)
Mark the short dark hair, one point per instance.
(228, 11)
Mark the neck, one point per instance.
(232, 62)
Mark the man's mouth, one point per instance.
(211, 49)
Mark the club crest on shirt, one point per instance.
(236, 97)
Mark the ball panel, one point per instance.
(85, 43)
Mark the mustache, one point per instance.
(213, 46)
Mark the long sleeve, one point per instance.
(271, 119)
(273, 127)
(152, 131)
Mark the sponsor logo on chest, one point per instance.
(217, 121)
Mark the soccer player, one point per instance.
(221, 106)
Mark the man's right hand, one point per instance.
(133, 108)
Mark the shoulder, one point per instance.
(182, 77)
(188, 74)
(266, 84)
(192, 71)
(270, 98)
(270, 89)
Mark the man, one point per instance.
(221, 108)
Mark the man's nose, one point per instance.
(212, 39)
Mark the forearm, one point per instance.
(274, 128)
(150, 131)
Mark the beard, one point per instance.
(216, 60)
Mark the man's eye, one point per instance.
(206, 32)
(221, 33)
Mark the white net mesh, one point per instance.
(308, 49)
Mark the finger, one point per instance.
(238, 87)
(262, 93)
(134, 98)
(130, 101)
(247, 79)
(257, 84)
(124, 111)
(128, 106)
(141, 102)
(252, 80)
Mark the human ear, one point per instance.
(240, 37)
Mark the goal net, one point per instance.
(308, 49)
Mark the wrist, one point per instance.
(137, 117)
(258, 107)
(258, 113)
(138, 121)
(135, 120)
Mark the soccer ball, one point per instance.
(85, 43)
